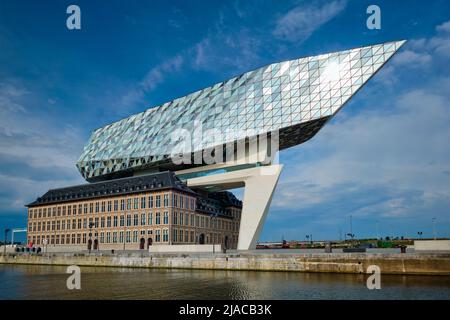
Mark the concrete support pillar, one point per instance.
(259, 183)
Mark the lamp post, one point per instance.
(420, 234)
(213, 219)
(124, 233)
(91, 224)
(6, 237)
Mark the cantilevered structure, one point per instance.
(290, 100)
(295, 97)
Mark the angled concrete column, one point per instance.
(259, 183)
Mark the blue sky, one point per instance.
(384, 159)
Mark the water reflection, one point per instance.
(49, 282)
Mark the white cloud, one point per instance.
(220, 50)
(445, 27)
(154, 77)
(299, 23)
(439, 45)
(36, 152)
(412, 59)
(403, 151)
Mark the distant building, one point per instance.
(132, 214)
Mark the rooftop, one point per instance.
(151, 182)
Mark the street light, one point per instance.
(420, 234)
(213, 218)
(6, 237)
(91, 224)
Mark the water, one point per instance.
(49, 282)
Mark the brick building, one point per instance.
(133, 213)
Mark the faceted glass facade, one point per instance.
(293, 97)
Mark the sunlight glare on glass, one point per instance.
(331, 72)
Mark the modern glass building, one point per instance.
(129, 160)
(295, 98)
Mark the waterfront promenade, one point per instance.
(352, 263)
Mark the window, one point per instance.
(150, 218)
(128, 220)
(115, 222)
(121, 237)
(175, 217)
(102, 237)
(165, 235)
(135, 236)
(80, 207)
(192, 220)
(108, 222)
(166, 200)
(102, 222)
(103, 206)
(128, 204)
(97, 207)
(58, 225)
(122, 221)
(84, 237)
(174, 235)
(186, 219)
(175, 200)
(69, 211)
(114, 237)
(180, 236)
(136, 203)
(116, 205)
(143, 220)
(63, 211)
(158, 201)
(150, 201)
(91, 208)
(142, 202)
(181, 218)
(136, 220)
(128, 236)
(181, 202)
(158, 235)
(166, 217)
(85, 208)
(122, 204)
(158, 218)
(109, 206)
